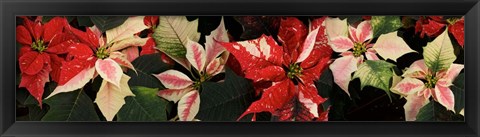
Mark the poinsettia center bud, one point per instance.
(452, 21)
(102, 53)
(39, 46)
(431, 81)
(198, 82)
(294, 70)
(359, 49)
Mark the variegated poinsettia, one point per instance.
(207, 62)
(38, 56)
(430, 77)
(95, 55)
(354, 43)
(290, 69)
(432, 26)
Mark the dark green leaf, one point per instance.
(145, 106)
(427, 112)
(225, 101)
(351, 19)
(325, 87)
(146, 66)
(385, 24)
(105, 23)
(84, 21)
(434, 111)
(22, 95)
(459, 92)
(35, 113)
(71, 106)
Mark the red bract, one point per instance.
(291, 68)
(457, 29)
(432, 26)
(80, 55)
(41, 43)
(151, 22)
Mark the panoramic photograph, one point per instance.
(240, 68)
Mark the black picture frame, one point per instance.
(11, 8)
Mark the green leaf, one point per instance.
(439, 53)
(385, 24)
(459, 92)
(105, 23)
(71, 106)
(376, 74)
(22, 95)
(225, 101)
(84, 21)
(434, 111)
(325, 87)
(427, 112)
(146, 66)
(172, 34)
(35, 113)
(145, 106)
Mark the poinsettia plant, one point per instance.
(242, 68)
(290, 69)
(355, 45)
(430, 77)
(206, 64)
(39, 55)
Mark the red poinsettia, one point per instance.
(291, 69)
(432, 27)
(38, 57)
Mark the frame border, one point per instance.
(11, 8)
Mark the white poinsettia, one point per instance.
(206, 63)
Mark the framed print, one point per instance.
(239, 68)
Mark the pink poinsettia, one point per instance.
(420, 84)
(206, 62)
(354, 46)
(352, 49)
